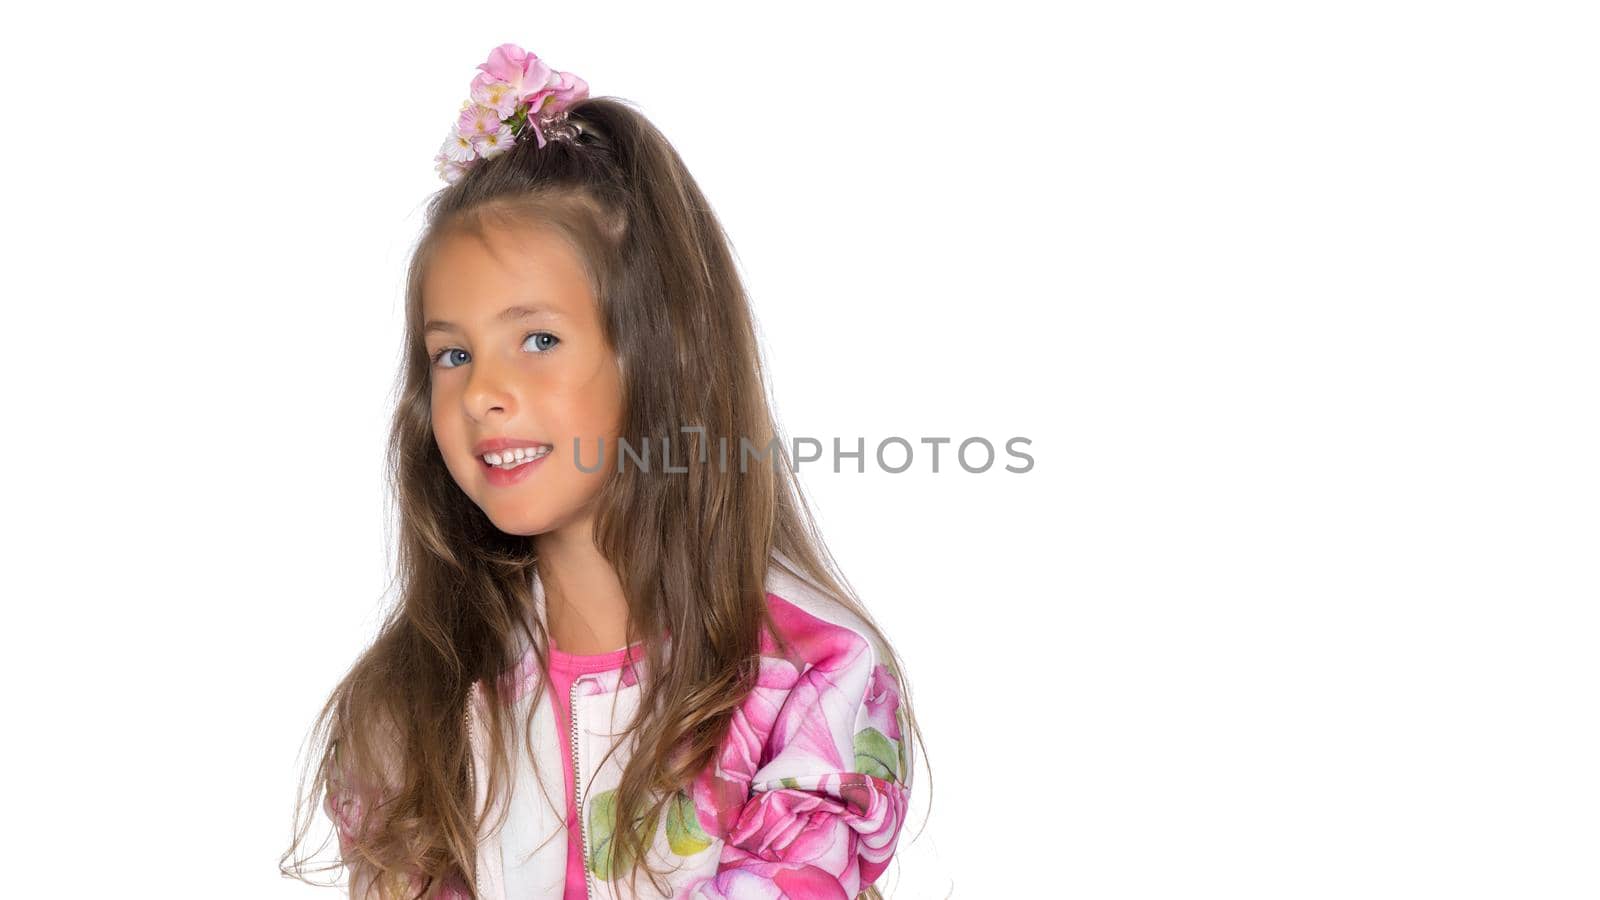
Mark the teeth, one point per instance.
(510, 459)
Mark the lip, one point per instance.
(505, 443)
(505, 477)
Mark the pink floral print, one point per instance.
(811, 787)
(805, 799)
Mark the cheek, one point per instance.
(602, 412)
(447, 428)
(606, 399)
(591, 405)
(435, 419)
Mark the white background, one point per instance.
(1296, 303)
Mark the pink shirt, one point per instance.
(564, 669)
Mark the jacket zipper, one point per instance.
(472, 773)
(577, 791)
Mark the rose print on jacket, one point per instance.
(805, 798)
(811, 787)
(879, 747)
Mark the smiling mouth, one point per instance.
(515, 458)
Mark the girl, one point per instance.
(621, 648)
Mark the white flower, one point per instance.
(458, 147)
(448, 169)
(495, 142)
(499, 96)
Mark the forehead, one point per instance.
(473, 274)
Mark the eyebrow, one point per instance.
(508, 314)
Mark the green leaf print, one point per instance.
(903, 744)
(683, 830)
(602, 827)
(684, 834)
(876, 754)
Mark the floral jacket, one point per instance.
(805, 799)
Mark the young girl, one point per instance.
(623, 663)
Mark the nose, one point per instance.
(488, 394)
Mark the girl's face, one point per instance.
(517, 351)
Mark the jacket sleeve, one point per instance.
(347, 803)
(826, 804)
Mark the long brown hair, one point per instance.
(692, 550)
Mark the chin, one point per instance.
(523, 522)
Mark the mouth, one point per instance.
(511, 458)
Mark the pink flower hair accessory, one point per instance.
(513, 93)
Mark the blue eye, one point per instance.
(543, 341)
(447, 352)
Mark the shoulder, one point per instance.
(822, 631)
(833, 702)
